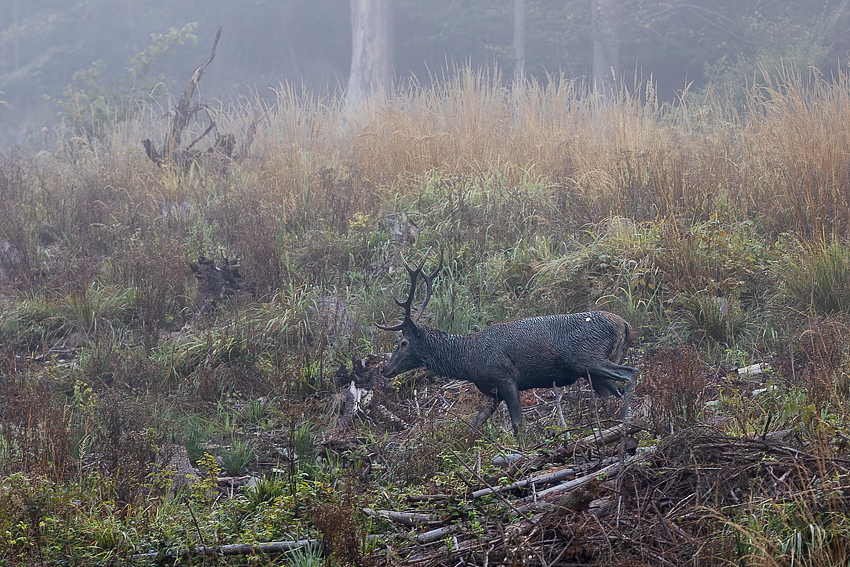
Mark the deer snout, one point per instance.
(388, 371)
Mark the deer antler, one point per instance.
(429, 279)
(408, 304)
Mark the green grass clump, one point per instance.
(710, 321)
(235, 459)
(816, 276)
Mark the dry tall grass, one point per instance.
(781, 158)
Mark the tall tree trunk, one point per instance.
(605, 47)
(132, 21)
(16, 58)
(519, 41)
(519, 58)
(371, 49)
(15, 95)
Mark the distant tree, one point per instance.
(519, 42)
(606, 58)
(730, 42)
(519, 58)
(371, 49)
(798, 34)
(306, 42)
(90, 103)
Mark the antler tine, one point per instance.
(393, 328)
(429, 279)
(414, 274)
(408, 304)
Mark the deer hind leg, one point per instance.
(604, 377)
(604, 386)
(616, 372)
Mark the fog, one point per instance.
(308, 44)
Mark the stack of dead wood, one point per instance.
(600, 500)
(658, 505)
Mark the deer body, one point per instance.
(513, 356)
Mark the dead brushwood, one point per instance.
(665, 503)
(223, 149)
(816, 355)
(674, 388)
(340, 535)
(34, 421)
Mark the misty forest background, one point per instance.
(307, 44)
(189, 367)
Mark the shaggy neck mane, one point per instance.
(445, 352)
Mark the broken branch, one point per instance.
(234, 549)
(410, 519)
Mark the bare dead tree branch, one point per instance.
(221, 151)
(183, 113)
(207, 131)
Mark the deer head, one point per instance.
(406, 355)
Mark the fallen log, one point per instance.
(568, 451)
(428, 497)
(411, 519)
(602, 473)
(599, 438)
(438, 533)
(540, 499)
(233, 549)
(233, 481)
(540, 479)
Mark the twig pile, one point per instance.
(661, 505)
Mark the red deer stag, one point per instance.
(509, 357)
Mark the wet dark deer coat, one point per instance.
(509, 357)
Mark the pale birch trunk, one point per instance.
(372, 47)
(519, 58)
(605, 46)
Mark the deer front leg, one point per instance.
(511, 397)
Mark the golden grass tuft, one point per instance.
(782, 157)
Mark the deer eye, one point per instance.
(403, 343)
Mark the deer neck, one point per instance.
(445, 354)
